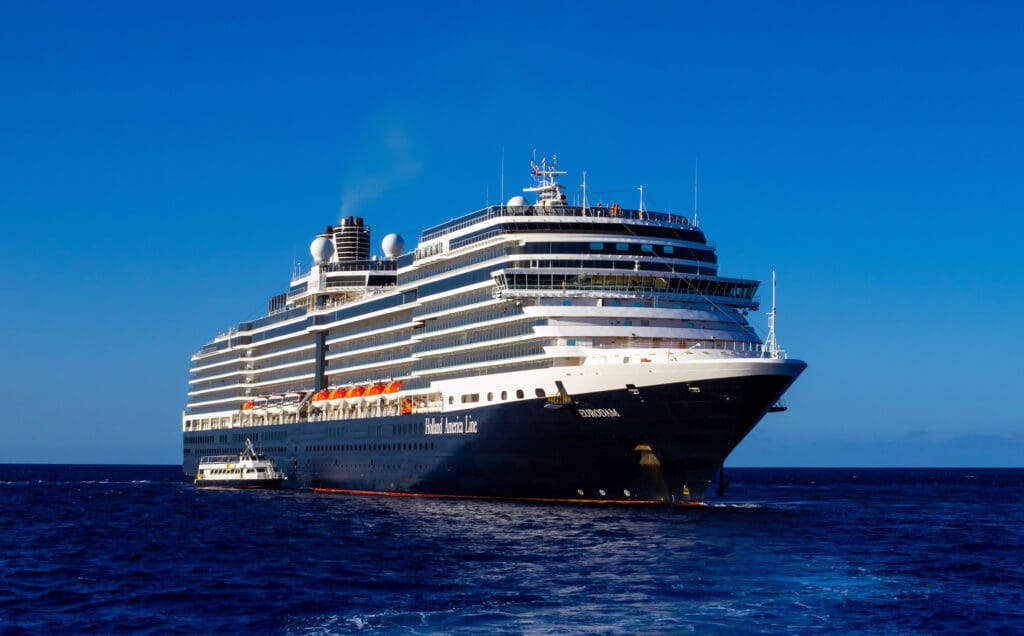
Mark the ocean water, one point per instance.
(105, 549)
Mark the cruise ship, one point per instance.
(533, 350)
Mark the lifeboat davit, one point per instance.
(336, 397)
(292, 399)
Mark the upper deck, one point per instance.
(589, 214)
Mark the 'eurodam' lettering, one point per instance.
(598, 413)
(446, 426)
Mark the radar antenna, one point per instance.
(549, 191)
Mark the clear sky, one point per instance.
(163, 165)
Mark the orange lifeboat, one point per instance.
(248, 405)
(391, 390)
(406, 408)
(373, 393)
(320, 396)
(336, 397)
(353, 394)
(355, 391)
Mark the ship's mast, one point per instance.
(549, 191)
(771, 344)
(695, 224)
(586, 207)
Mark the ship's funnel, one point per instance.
(352, 240)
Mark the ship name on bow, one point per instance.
(598, 413)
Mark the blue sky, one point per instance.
(164, 165)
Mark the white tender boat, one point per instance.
(247, 469)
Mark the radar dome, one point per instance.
(517, 203)
(321, 248)
(392, 245)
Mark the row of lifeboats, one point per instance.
(357, 394)
(350, 396)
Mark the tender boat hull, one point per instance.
(247, 484)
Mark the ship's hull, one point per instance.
(656, 443)
(239, 484)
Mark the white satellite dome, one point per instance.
(517, 202)
(392, 245)
(321, 248)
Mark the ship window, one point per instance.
(571, 342)
(622, 247)
(470, 397)
(519, 393)
(539, 392)
(667, 249)
(504, 395)
(490, 396)
(627, 323)
(597, 246)
(647, 248)
(451, 399)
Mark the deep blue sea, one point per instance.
(102, 549)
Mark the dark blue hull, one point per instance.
(659, 443)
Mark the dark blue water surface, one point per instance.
(135, 549)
